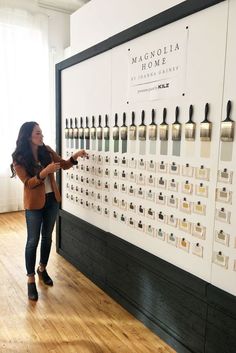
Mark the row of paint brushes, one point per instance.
(124, 132)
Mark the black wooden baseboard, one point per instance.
(189, 314)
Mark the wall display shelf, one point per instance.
(158, 125)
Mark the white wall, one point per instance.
(101, 19)
(59, 33)
(58, 39)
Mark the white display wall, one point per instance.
(169, 197)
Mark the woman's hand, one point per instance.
(80, 153)
(50, 168)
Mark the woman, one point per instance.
(35, 164)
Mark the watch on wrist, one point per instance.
(38, 176)
(73, 161)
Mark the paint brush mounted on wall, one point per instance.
(152, 134)
(132, 134)
(176, 127)
(76, 134)
(67, 134)
(116, 134)
(190, 126)
(205, 126)
(176, 134)
(123, 134)
(227, 126)
(87, 134)
(163, 129)
(71, 134)
(99, 133)
(227, 135)
(81, 133)
(93, 134)
(164, 134)
(205, 135)
(106, 134)
(190, 132)
(142, 134)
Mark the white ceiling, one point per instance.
(67, 6)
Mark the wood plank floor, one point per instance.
(73, 316)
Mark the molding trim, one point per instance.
(59, 6)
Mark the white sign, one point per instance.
(157, 66)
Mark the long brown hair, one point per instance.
(23, 154)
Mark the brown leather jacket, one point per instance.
(34, 189)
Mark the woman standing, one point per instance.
(35, 164)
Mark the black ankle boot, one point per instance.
(45, 277)
(32, 291)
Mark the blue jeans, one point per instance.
(37, 221)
